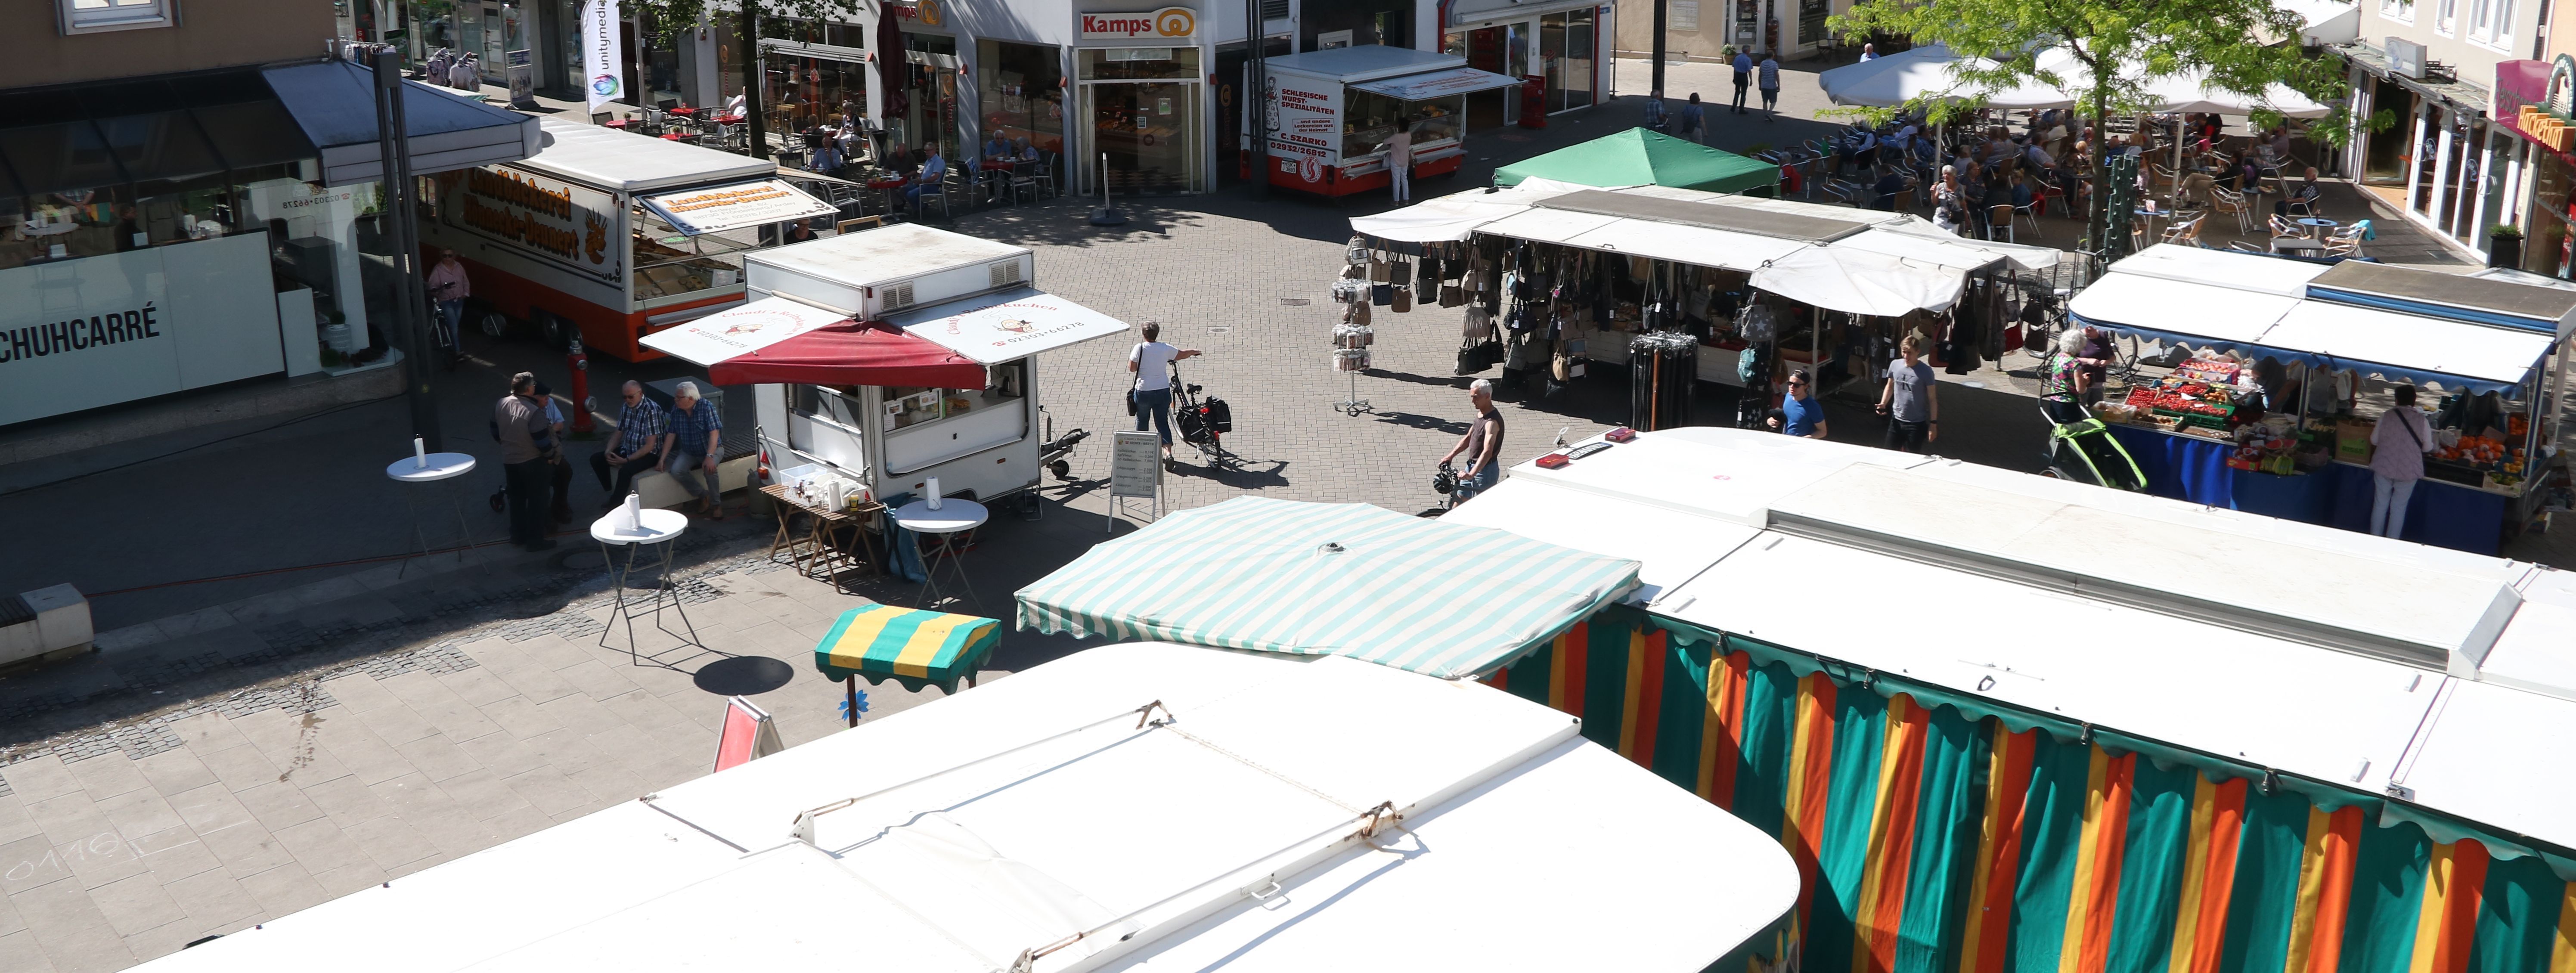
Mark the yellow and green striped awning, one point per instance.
(914, 647)
(1446, 600)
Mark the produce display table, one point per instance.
(2336, 495)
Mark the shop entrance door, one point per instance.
(2384, 159)
(1145, 128)
(1486, 47)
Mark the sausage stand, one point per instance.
(893, 357)
(1332, 111)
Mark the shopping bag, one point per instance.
(1403, 300)
(1377, 269)
(1400, 273)
(1381, 294)
(1452, 295)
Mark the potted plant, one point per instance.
(2504, 246)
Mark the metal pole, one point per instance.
(756, 142)
(409, 297)
(1107, 214)
(1256, 97)
(1655, 87)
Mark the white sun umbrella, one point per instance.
(1930, 71)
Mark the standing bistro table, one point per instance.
(440, 466)
(953, 517)
(660, 528)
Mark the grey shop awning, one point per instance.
(334, 103)
(142, 130)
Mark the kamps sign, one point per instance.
(1165, 23)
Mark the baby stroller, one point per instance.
(2082, 449)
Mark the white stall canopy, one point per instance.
(2258, 306)
(1006, 326)
(1860, 282)
(1435, 84)
(741, 330)
(715, 209)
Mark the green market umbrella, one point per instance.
(1638, 157)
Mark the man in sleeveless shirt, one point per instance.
(1483, 444)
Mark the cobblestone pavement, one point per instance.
(262, 744)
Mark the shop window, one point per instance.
(1022, 89)
(1371, 118)
(1139, 63)
(808, 91)
(98, 16)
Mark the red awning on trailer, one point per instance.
(852, 353)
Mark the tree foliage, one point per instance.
(2109, 49)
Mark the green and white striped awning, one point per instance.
(1445, 600)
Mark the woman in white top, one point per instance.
(1151, 362)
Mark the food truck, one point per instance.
(893, 356)
(1331, 112)
(610, 235)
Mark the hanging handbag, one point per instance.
(1131, 402)
(1381, 294)
(1377, 268)
(1400, 273)
(1426, 289)
(1356, 313)
(1452, 295)
(1403, 300)
(1357, 251)
(1348, 291)
(1479, 325)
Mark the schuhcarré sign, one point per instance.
(79, 334)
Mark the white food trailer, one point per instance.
(1332, 111)
(893, 356)
(610, 235)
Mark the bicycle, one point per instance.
(1201, 423)
(443, 337)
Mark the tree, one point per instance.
(670, 18)
(2114, 47)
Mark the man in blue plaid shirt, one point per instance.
(633, 448)
(695, 442)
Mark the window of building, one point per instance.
(2402, 11)
(95, 16)
(2503, 35)
(2446, 17)
(1022, 89)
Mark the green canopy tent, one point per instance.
(1445, 600)
(1638, 157)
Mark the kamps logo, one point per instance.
(1166, 22)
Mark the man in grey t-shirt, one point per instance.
(1909, 402)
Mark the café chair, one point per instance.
(2000, 217)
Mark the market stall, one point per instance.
(609, 235)
(1332, 111)
(892, 358)
(2273, 413)
(2259, 744)
(1554, 275)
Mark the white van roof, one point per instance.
(1225, 831)
(611, 159)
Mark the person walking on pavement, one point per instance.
(633, 447)
(1483, 445)
(527, 442)
(1151, 362)
(695, 442)
(1694, 120)
(448, 286)
(1801, 413)
(1743, 78)
(1769, 82)
(1908, 400)
(1399, 160)
(2398, 444)
(1656, 118)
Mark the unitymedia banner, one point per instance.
(603, 59)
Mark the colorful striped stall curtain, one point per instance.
(1933, 842)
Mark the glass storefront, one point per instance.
(1565, 55)
(1022, 88)
(803, 91)
(1502, 49)
(1347, 23)
(2551, 247)
(929, 114)
(1143, 103)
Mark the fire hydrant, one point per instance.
(578, 362)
